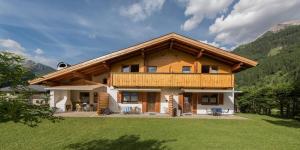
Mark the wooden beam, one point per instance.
(143, 52)
(237, 66)
(51, 83)
(171, 44)
(219, 58)
(186, 47)
(106, 66)
(200, 54)
(79, 75)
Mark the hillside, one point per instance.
(278, 54)
(38, 69)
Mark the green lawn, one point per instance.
(257, 132)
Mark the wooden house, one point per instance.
(166, 74)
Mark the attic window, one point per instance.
(130, 68)
(209, 69)
(186, 69)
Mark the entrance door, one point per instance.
(151, 102)
(187, 103)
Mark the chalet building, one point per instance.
(163, 75)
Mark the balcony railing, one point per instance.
(191, 80)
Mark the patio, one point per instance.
(146, 115)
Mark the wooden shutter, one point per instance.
(119, 97)
(144, 101)
(221, 98)
(157, 102)
(199, 98)
(180, 105)
(194, 103)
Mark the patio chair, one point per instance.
(216, 111)
(78, 107)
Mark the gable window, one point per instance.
(134, 68)
(209, 69)
(104, 81)
(214, 69)
(152, 69)
(130, 68)
(205, 69)
(126, 68)
(130, 97)
(186, 69)
(209, 99)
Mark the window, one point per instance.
(130, 97)
(210, 99)
(134, 68)
(130, 68)
(152, 69)
(126, 68)
(104, 81)
(186, 69)
(205, 69)
(214, 69)
(209, 69)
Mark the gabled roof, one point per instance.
(169, 37)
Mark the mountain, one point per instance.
(284, 25)
(278, 54)
(38, 69)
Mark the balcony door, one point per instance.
(187, 103)
(151, 98)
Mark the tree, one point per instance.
(17, 107)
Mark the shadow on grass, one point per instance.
(125, 142)
(287, 123)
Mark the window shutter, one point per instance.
(141, 97)
(221, 98)
(119, 97)
(194, 103)
(180, 101)
(157, 102)
(199, 98)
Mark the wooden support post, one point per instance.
(171, 105)
(103, 102)
(200, 54)
(171, 44)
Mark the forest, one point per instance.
(273, 86)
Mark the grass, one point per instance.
(257, 132)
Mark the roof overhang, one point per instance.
(184, 41)
(208, 90)
(76, 87)
(138, 90)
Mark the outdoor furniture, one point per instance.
(216, 111)
(78, 107)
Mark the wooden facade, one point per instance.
(193, 80)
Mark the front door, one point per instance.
(187, 103)
(151, 102)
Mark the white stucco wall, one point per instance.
(165, 93)
(227, 107)
(59, 99)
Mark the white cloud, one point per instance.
(39, 51)
(13, 46)
(142, 9)
(215, 44)
(200, 9)
(251, 18)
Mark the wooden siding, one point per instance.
(195, 80)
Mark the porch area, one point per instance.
(145, 115)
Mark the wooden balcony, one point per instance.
(175, 80)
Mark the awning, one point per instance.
(137, 90)
(206, 91)
(76, 87)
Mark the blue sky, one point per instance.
(49, 31)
